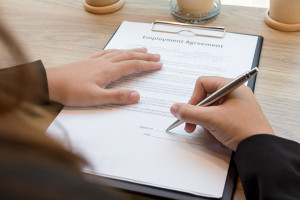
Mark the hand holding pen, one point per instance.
(236, 118)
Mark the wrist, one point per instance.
(53, 84)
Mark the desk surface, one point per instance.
(58, 32)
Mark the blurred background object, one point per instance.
(102, 6)
(283, 15)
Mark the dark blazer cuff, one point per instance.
(39, 84)
(27, 82)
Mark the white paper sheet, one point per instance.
(130, 142)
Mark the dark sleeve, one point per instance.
(26, 82)
(269, 167)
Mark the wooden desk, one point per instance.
(58, 32)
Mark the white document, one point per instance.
(130, 142)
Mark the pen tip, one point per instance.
(174, 125)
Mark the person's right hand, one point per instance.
(237, 117)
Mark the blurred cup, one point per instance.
(195, 6)
(284, 15)
(102, 6)
(285, 11)
(100, 3)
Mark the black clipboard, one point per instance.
(161, 193)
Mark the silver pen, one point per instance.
(229, 87)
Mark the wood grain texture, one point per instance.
(58, 32)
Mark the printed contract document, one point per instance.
(130, 142)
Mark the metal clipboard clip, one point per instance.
(188, 29)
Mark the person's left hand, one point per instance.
(83, 83)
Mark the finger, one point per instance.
(113, 54)
(193, 114)
(207, 85)
(120, 96)
(132, 55)
(130, 66)
(102, 52)
(189, 127)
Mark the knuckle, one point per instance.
(94, 99)
(200, 79)
(118, 96)
(108, 50)
(182, 114)
(150, 56)
(137, 65)
(130, 55)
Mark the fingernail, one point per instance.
(144, 49)
(134, 96)
(156, 56)
(160, 64)
(174, 110)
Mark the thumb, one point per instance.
(192, 114)
(120, 96)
